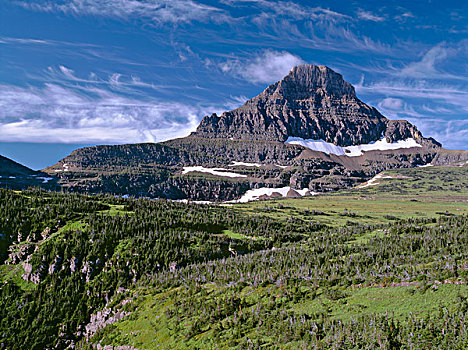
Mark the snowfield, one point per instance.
(352, 151)
(245, 164)
(45, 179)
(253, 195)
(213, 171)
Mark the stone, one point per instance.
(293, 194)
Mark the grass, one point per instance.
(424, 193)
(116, 209)
(240, 236)
(149, 328)
(399, 301)
(366, 237)
(69, 226)
(340, 210)
(13, 273)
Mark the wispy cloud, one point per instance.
(53, 113)
(391, 103)
(369, 16)
(117, 108)
(43, 42)
(453, 96)
(265, 67)
(283, 23)
(300, 12)
(9, 40)
(158, 11)
(426, 67)
(67, 77)
(453, 134)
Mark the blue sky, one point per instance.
(85, 72)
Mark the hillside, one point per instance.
(387, 261)
(16, 176)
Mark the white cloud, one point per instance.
(158, 11)
(391, 103)
(266, 67)
(369, 16)
(426, 67)
(54, 113)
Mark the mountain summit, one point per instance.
(311, 102)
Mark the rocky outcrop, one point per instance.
(401, 129)
(311, 102)
(450, 157)
(103, 318)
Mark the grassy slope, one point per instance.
(427, 192)
(148, 327)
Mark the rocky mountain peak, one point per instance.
(311, 102)
(306, 81)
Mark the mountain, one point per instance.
(311, 102)
(307, 132)
(16, 176)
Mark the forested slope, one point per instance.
(87, 270)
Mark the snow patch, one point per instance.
(375, 180)
(45, 179)
(352, 151)
(425, 165)
(245, 164)
(213, 171)
(253, 195)
(188, 201)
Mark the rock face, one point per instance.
(311, 102)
